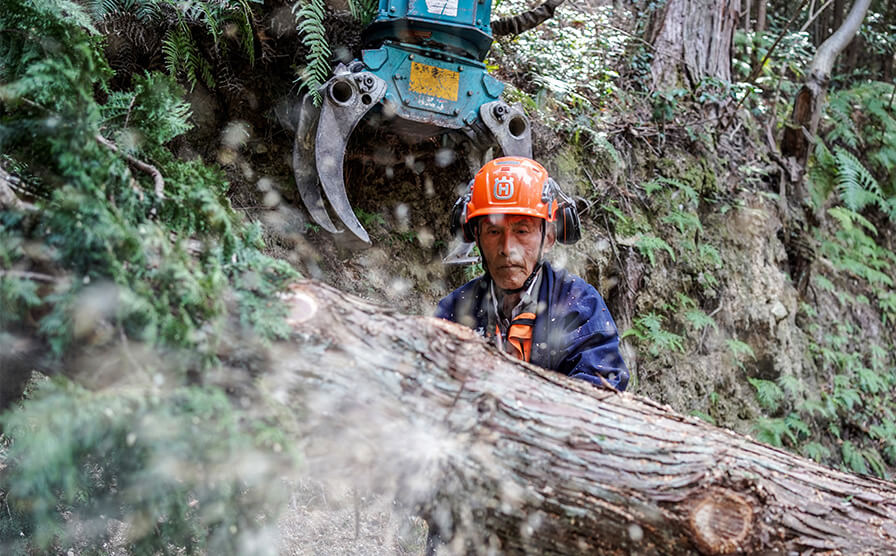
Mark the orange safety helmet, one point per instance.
(515, 185)
(510, 185)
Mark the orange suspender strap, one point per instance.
(520, 335)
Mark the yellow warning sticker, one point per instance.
(433, 81)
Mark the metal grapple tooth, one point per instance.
(510, 126)
(303, 163)
(347, 98)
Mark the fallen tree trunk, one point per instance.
(516, 458)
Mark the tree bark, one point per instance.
(692, 41)
(761, 7)
(800, 131)
(509, 457)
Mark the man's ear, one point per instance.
(550, 236)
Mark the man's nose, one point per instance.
(508, 245)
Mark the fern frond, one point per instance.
(648, 244)
(848, 218)
(768, 394)
(309, 16)
(858, 187)
(791, 384)
(839, 111)
(771, 431)
(685, 222)
(816, 451)
(853, 457)
(688, 191)
(363, 10)
(700, 320)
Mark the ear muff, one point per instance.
(457, 221)
(566, 218)
(566, 223)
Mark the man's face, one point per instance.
(510, 246)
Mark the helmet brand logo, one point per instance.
(503, 187)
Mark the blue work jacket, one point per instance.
(573, 333)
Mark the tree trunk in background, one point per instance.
(507, 457)
(800, 130)
(761, 7)
(692, 40)
(748, 9)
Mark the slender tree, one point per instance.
(809, 103)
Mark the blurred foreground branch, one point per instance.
(504, 455)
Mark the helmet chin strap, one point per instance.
(531, 277)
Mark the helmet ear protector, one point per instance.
(458, 219)
(566, 216)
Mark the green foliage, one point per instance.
(567, 55)
(649, 244)
(182, 56)
(363, 10)
(773, 431)
(154, 104)
(816, 451)
(740, 350)
(699, 320)
(161, 462)
(649, 329)
(687, 223)
(369, 219)
(768, 393)
(309, 16)
(665, 104)
(126, 268)
(185, 24)
(476, 269)
(858, 121)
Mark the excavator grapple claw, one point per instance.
(347, 97)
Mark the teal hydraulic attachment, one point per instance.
(422, 71)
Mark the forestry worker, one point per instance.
(514, 212)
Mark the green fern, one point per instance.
(649, 329)
(797, 426)
(652, 187)
(816, 451)
(858, 187)
(773, 431)
(182, 57)
(154, 108)
(740, 349)
(699, 320)
(792, 385)
(885, 434)
(853, 457)
(858, 120)
(309, 16)
(685, 222)
(363, 10)
(649, 244)
(710, 256)
(689, 192)
(870, 381)
(768, 394)
(876, 462)
(222, 20)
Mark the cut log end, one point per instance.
(720, 522)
